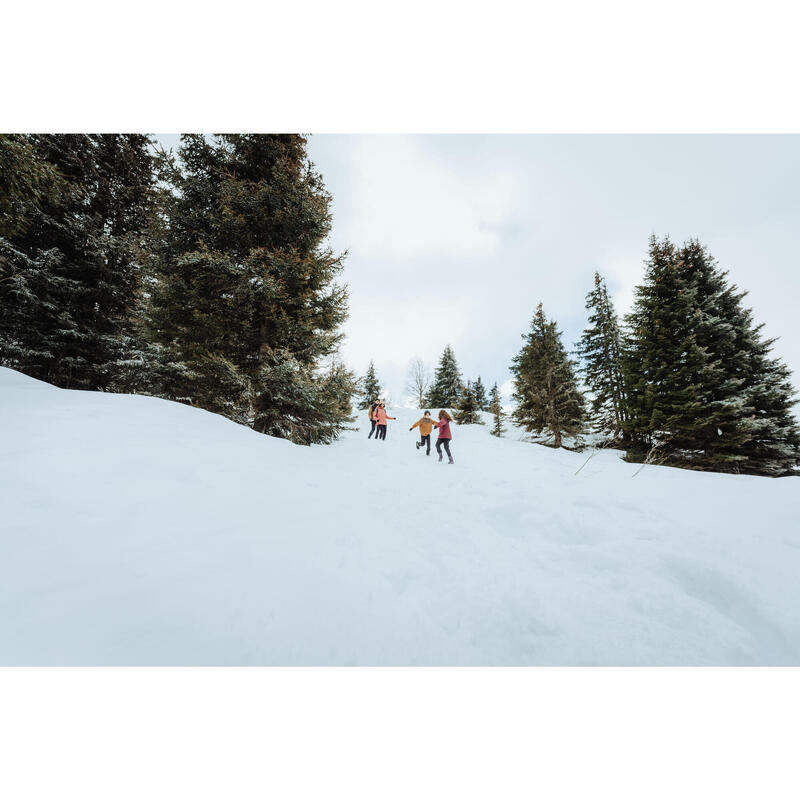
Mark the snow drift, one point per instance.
(140, 531)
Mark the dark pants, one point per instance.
(423, 440)
(381, 432)
(446, 443)
(373, 429)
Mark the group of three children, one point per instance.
(378, 417)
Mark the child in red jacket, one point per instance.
(445, 437)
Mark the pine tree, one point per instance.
(657, 343)
(497, 413)
(247, 311)
(700, 384)
(480, 395)
(599, 350)
(750, 394)
(71, 270)
(370, 388)
(546, 390)
(25, 179)
(666, 369)
(445, 390)
(773, 444)
(466, 411)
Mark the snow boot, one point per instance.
(417, 445)
(451, 460)
(440, 456)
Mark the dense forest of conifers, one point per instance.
(204, 278)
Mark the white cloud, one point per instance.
(406, 204)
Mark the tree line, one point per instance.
(445, 389)
(201, 277)
(686, 378)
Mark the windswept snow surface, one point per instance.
(139, 531)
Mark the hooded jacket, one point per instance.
(426, 425)
(381, 416)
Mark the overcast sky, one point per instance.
(455, 239)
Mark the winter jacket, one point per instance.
(444, 429)
(371, 411)
(425, 426)
(380, 415)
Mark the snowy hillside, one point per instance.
(139, 531)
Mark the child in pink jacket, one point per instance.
(381, 416)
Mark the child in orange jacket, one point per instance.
(426, 425)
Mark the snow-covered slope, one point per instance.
(139, 531)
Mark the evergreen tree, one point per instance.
(480, 395)
(70, 265)
(445, 390)
(370, 388)
(247, 310)
(332, 409)
(750, 394)
(658, 342)
(25, 178)
(773, 443)
(599, 350)
(546, 390)
(467, 412)
(497, 413)
(699, 380)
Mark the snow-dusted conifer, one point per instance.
(480, 395)
(247, 298)
(467, 411)
(71, 271)
(370, 387)
(445, 390)
(599, 351)
(546, 390)
(497, 413)
(699, 379)
(25, 179)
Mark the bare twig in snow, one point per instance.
(650, 458)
